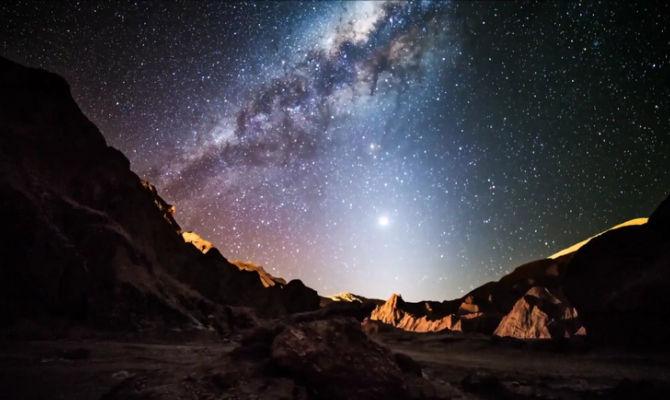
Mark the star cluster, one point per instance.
(375, 147)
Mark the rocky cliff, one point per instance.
(88, 240)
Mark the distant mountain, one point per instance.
(90, 242)
(612, 287)
(347, 297)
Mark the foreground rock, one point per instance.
(90, 242)
(336, 360)
(333, 359)
(541, 314)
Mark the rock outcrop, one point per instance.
(199, 243)
(351, 298)
(416, 317)
(88, 240)
(266, 279)
(295, 295)
(540, 314)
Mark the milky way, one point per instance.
(375, 147)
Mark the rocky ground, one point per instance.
(485, 368)
(456, 366)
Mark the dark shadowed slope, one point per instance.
(620, 281)
(87, 240)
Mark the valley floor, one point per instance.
(512, 370)
(468, 366)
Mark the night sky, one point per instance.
(421, 148)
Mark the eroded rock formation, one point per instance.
(541, 314)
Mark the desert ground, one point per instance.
(467, 366)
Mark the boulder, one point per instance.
(334, 359)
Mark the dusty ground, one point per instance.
(92, 369)
(511, 370)
(472, 365)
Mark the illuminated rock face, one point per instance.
(414, 317)
(349, 298)
(199, 243)
(540, 314)
(92, 242)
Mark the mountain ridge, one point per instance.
(91, 242)
(552, 297)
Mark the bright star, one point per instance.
(383, 220)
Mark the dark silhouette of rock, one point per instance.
(619, 283)
(88, 240)
(332, 359)
(335, 360)
(541, 314)
(660, 218)
(266, 279)
(577, 246)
